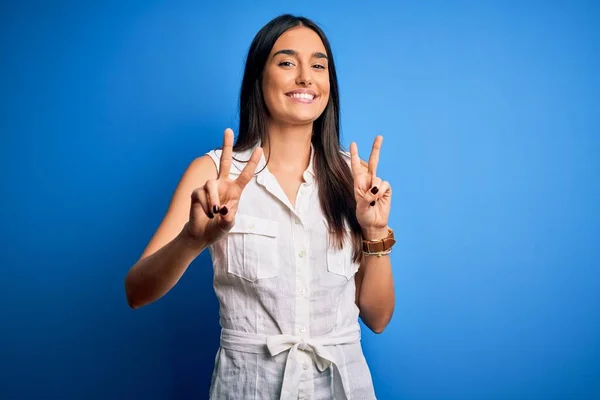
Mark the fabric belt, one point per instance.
(316, 347)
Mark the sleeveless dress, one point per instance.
(289, 322)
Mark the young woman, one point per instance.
(297, 230)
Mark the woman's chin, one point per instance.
(295, 118)
(302, 119)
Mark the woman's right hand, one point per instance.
(218, 198)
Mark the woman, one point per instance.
(298, 234)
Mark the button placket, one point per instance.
(302, 261)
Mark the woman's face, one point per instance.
(296, 77)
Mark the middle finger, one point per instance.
(374, 158)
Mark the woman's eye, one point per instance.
(319, 66)
(285, 64)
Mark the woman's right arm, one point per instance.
(172, 247)
(202, 211)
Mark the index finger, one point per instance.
(355, 163)
(225, 167)
(248, 171)
(374, 158)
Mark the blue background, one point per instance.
(490, 113)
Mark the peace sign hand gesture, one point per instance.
(218, 198)
(373, 196)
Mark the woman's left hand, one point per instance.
(373, 196)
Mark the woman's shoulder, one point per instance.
(216, 153)
(202, 168)
(239, 158)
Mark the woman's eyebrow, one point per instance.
(289, 52)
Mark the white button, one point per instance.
(301, 254)
(301, 291)
(302, 329)
(251, 226)
(305, 365)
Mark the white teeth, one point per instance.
(302, 96)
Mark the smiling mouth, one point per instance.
(303, 96)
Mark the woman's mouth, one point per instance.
(302, 96)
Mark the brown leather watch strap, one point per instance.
(377, 246)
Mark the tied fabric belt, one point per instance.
(316, 347)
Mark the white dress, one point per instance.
(287, 300)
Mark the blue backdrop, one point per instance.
(490, 116)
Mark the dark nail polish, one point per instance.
(215, 209)
(372, 203)
(223, 210)
(374, 190)
(210, 215)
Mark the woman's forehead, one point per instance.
(302, 40)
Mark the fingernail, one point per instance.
(215, 209)
(210, 215)
(223, 210)
(372, 203)
(374, 190)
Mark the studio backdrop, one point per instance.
(489, 112)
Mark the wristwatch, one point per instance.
(381, 245)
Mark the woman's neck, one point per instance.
(288, 147)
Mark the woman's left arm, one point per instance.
(374, 280)
(375, 291)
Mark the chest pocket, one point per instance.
(252, 248)
(340, 266)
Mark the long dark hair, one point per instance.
(333, 175)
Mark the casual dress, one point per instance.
(287, 299)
